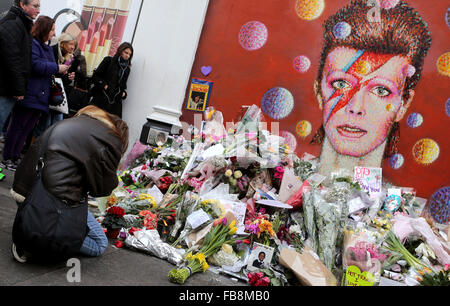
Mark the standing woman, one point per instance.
(27, 112)
(75, 81)
(110, 80)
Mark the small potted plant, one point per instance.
(114, 221)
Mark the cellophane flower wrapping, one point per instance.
(362, 248)
(189, 200)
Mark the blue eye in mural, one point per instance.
(277, 103)
(415, 120)
(396, 161)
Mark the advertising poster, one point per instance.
(100, 26)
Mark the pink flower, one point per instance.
(279, 169)
(447, 267)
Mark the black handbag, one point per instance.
(47, 227)
(77, 99)
(56, 93)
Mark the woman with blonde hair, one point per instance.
(76, 81)
(81, 158)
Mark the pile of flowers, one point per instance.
(334, 218)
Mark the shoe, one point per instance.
(9, 165)
(18, 254)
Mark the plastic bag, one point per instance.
(137, 150)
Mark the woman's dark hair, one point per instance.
(17, 2)
(400, 31)
(122, 47)
(42, 28)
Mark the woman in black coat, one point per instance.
(82, 156)
(110, 80)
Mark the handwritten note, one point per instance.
(369, 178)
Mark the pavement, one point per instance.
(116, 267)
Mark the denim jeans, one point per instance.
(96, 242)
(6, 106)
(46, 121)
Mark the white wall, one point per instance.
(165, 44)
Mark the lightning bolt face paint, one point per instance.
(357, 87)
(359, 66)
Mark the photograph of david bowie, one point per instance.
(365, 83)
(260, 257)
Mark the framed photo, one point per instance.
(199, 94)
(99, 26)
(260, 257)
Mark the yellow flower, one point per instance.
(232, 231)
(201, 257)
(237, 174)
(205, 266)
(228, 173)
(189, 256)
(232, 224)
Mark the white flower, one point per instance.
(295, 229)
(424, 250)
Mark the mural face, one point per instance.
(361, 97)
(365, 81)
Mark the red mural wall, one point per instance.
(242, 77)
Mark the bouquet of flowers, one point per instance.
(221, 233)
(114, 218)
(258, 279)
(439, 278)
(260, 230)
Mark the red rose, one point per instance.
(119, 244)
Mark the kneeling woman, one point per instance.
(82, 156)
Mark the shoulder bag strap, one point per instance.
(44, 144)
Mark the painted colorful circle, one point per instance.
(447, 107)
(425, 151)
(309, 9)
(447, 17)
(342, 30)
(439, 205)
(443, 64)
(304, 128)
(289, 139)
(302, 63)
(277, 103)
(389, 4)
(415, 120)
(253, 35)
(396, 161)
